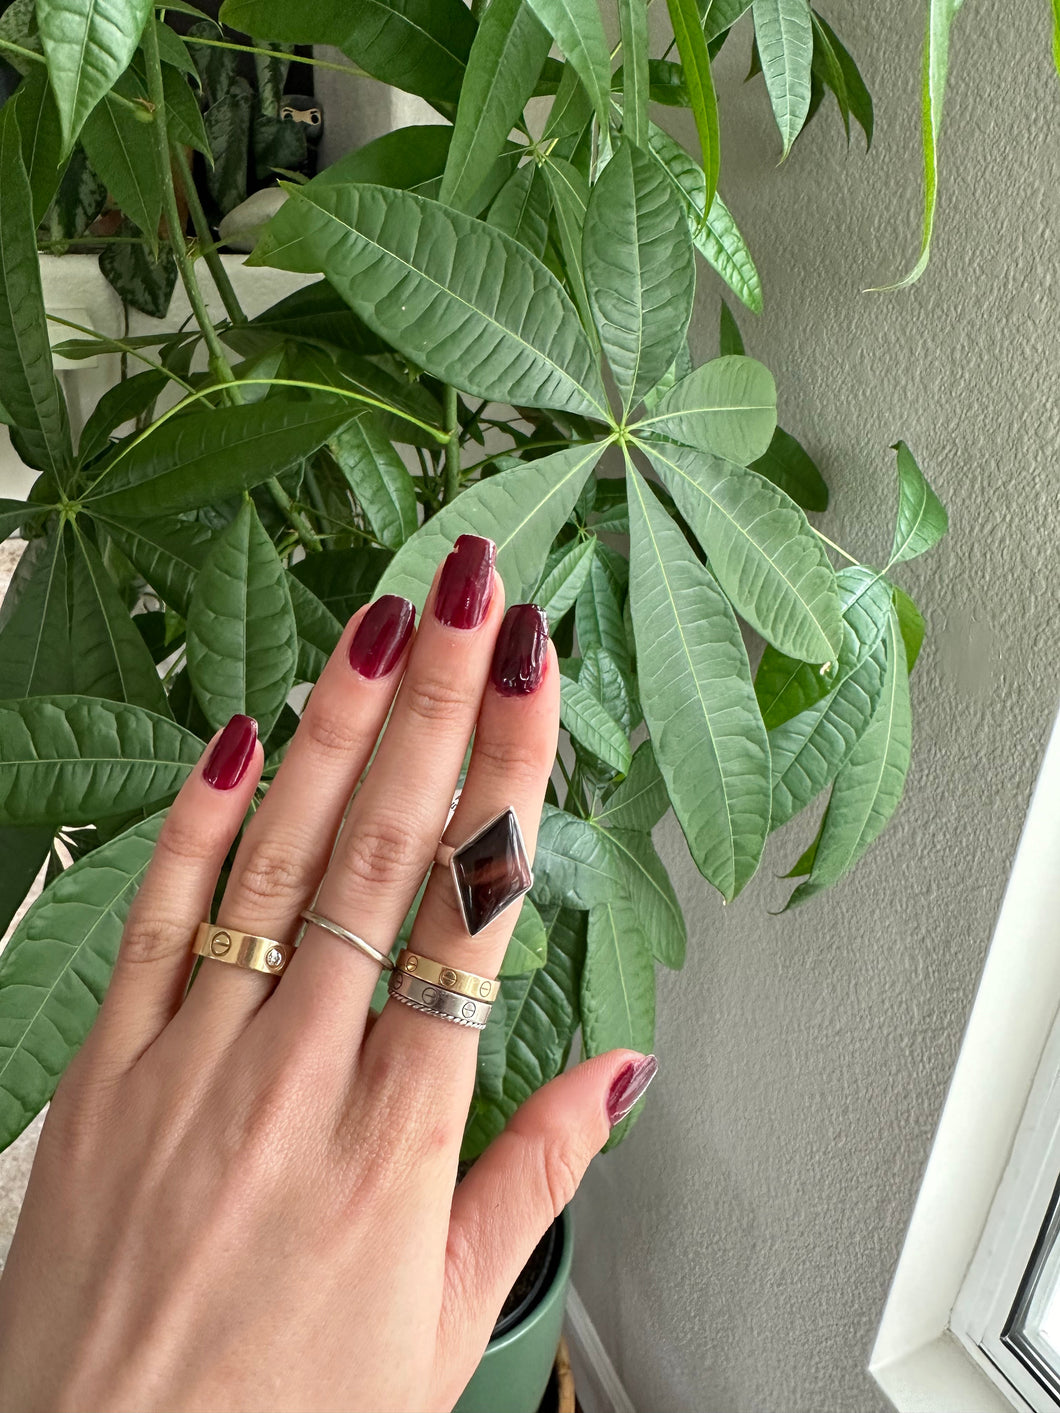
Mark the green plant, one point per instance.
(512, 313)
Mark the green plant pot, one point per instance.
(514, 1370)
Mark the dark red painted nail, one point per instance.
(521, 652)
(382, 636)
(232, 754)
(628, 1086)
(466, 585)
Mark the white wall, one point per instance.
(735, 1253)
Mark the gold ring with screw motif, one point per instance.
(463, 983)
(242, 949)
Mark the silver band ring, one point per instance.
(435, 1000)
(337, 930)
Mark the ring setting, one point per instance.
(490, 870)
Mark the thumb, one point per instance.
(520, 1185)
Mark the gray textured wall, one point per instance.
(736, 1252)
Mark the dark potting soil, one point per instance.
(532, 1282)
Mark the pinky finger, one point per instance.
(154, 959)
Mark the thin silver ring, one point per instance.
(337, 930)
(434, 1000)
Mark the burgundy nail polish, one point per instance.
(628, 1086)
(521, 652)
(381, 637)
(466, 584)
(232, 754)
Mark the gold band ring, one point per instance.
(242, 949)
(464, 983)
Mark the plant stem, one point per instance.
(832, 545)
(452, 446)
(22, 53)
(219, 364)
(279, 54)
(208, 247)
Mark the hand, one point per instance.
(243, 1196)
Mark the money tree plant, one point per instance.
(492, 338)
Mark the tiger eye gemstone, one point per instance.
(491, 871)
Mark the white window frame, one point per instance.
(936, 1350)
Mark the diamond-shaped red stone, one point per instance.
(491, 871)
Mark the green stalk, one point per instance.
(13, 48)
(279, 54)
(452, 446)
(218, 359)
(207, 245)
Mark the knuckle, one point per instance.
(150, 938)
(382, 853)
(186, 841)
(331, 733)
(561, 1174)
(514, 761)
(271, 871)
(438, 700)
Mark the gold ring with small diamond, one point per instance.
(242, 949)
(464, 983)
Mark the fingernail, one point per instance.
(628, 1086)
(466, 585)
(521, 651)
(232, 754)
(382, 636)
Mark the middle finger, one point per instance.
(398, 815)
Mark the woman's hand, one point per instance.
(243, 1198)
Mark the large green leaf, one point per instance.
(24, 852)
(110, 657)
(318, 629)
(122, 150)
(633, 22)
(641, 799)
(88, 45)
(922, 519)
(647, 885)
(202, 457)
(167, 550)
(242, 638)
(420, 46)
(379, 479)
(578, 29)
(35, 652)
(727, 406)
(910, 622)
(14, 514)
(859, 100)
(522, 510)
(640, 271)
(55, 970)
(721, 15)
(121, 403)
(941, 14)
(457, 297)
(528, 948)
(565, 574)
(568, 189)
(698, 700)
(28, 387)
(588, 723)
(870, 783)
(786, 686)
(411, 158)
(521, 208)
(766, 558)
(714, 233)
(618, 984)
(73, 760)
(692, 47)
(810, 748)
(529, 1034)
(506, 58)
(788, 466)
(784, 32)
(38, 122)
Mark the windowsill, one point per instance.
(917, 1361)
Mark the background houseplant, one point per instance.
(479, 278)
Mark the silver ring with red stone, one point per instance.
(490, 871)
